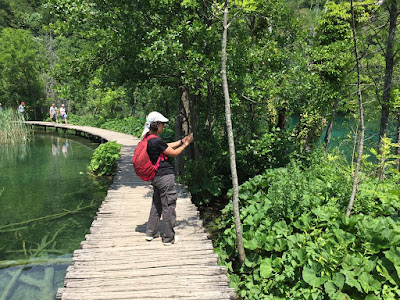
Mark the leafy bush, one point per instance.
(207, 176)
(299, 243)
(128, 125)
(104, 159)
(271, 150)
(87, 120)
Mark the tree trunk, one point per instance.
(361, 116)
(252, 105)
(328, 134)
(194, 105)
(393, 13)
(51, 93)
(282, 118)
(235, 184)
(182, 127)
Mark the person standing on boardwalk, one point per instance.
(63, 114)
(21, 110)
(164, 195)
(53, 113)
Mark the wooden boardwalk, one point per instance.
(116, 262)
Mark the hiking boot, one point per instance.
(175, 240)
(150, 238)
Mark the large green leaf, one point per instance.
(394, 256)
(338, 280)
(330, 288)
(311, 276)
(266, 269)
(368, 283)
(351, 280)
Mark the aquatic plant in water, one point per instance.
(13, 130)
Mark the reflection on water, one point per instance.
(47, 203)
(59, 146)
(14, 152)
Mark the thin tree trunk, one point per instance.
(361, 116)
(393, 13)
(252, 105)
(51, 55)
(182, 127)
(328, 134)
(235, 184)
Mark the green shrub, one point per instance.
(128, 125)
(207, 176)
(270, 150)
(299, 243)
(87, 120)
(104, 159)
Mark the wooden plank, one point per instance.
(158, 294)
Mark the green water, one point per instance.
(47, 204)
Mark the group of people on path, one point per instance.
(56, 114)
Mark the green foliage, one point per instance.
(208, 178)
(271, 150)
(378, 197)
(386, 159)
(108, 102)
(129, 125)
(12, 128)
(85, 120)
(104, 159)
(20, 78)
(5, 14)
(300, 245)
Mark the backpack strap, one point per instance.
(149, 136)
(162, 156)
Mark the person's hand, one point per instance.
(188, 139)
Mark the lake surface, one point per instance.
(47, 204)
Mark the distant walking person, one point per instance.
(164, 196)
(53, 113)
(21, 109)
(63, 114)
(1, 107)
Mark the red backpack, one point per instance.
(144, 168)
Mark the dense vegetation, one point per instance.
(300, 244)
(13, 131)
(292, 71)
(104, 159)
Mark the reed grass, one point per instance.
(13, 130)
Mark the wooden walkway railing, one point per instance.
(116, 262)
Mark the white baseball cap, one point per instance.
(156, 117)
(151, 118)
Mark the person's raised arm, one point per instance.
(175, 144)
(179, 146)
